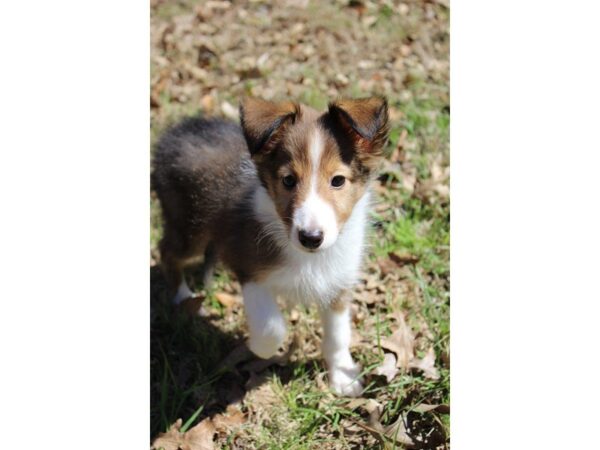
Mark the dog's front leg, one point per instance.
(344, 373)
(265, 321)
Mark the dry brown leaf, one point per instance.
(425, 407)
(386, 266)
(387, 368)
(375, 409)
(372, 282)
(227, 300)
(356, 402)
(437, 184)
(366, 297)
(232, 418)
(374, 431)
(409, 175)
(213, 4)
(199, 437)
(403, 258)
(398, 432)
(427, 365)
(207, 102)
(401, 342)
(350, 428)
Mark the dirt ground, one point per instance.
(204, 57)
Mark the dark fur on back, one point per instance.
(201, 164)
(204, 179)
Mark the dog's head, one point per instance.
(315, 166)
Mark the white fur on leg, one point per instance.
(265, 322)
(344, 373)
(183, 292)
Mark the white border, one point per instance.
(525, 225)
(74, 234)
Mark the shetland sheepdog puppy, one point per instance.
(282, 201)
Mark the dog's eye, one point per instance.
(289, 181)
(338, 181)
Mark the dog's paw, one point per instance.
(183, 293)
(266, 343)
(346, 381)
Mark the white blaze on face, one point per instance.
(315, 214)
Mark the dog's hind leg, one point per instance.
(174, 254)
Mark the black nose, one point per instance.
(310, 239)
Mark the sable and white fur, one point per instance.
(266, 199)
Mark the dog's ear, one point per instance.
(364, 121)
(263, 122)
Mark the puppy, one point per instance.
(282, 201)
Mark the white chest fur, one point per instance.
(319, 277)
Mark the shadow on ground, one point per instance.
(196, 365)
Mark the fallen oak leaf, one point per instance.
(225, 422)
(375, 409)
(427, 365)
(425, 407)
(398, 432)
(170, 439)
(387, 368)
(199, 437)
(401, 342)
(356, 402)
(377, 434)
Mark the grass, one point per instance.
(288, 406)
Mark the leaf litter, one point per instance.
(199, 437)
